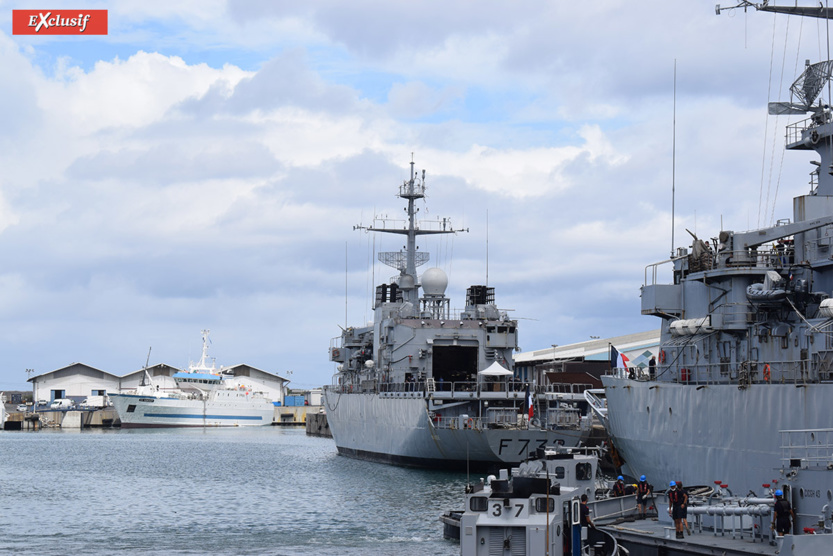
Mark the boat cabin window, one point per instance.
(131, 408)
(584, 471)
(541, 505)
(478, 503)
(559, 472)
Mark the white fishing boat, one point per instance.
(204, 397)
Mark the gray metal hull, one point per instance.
(399, 431)
(699, 435)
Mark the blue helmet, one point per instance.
(779, 493)
(620, 478)
(642, 478)
(672, 484)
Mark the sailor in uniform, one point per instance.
(676, 508)
(643, 490)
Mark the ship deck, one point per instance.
(650, 536)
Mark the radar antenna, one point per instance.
(805, 90)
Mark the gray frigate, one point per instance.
(743, 385)
(426, 386)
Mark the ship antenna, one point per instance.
(487, 247)
(345, 284)
(673, 158)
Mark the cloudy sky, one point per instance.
(203, 166)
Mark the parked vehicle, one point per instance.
(62, 403)
(21, 407)
(95, 402)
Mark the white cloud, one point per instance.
(203, 165)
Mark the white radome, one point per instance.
(434, 281)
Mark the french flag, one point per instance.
(618, 360)
(529, 401)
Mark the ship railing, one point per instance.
(599, 404)
(760, 259)
(565, 388)
(796, 372)
(807, 448)
(652, 272)
(795, 130)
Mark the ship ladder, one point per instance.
(432, 386)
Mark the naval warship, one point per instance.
(744, 377)
(425, 386)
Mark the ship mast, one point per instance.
(806, 11)
(408, 261)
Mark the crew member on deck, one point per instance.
(584, 510)
(676, 501)
(684, 517)
(643, 491)
(619, 487)
(784, 514)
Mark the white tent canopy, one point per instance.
(495, 369)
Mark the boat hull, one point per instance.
(661, 429)
(137, 411)
(399, 431)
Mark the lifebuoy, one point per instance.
(767, 373)
(471, 423)
(335, 353)
(662, 356)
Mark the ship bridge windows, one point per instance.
(584, 471)
(454, 363)
(543, 505)
(478, 504)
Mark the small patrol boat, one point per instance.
(535, 509)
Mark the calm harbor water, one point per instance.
(265, 490)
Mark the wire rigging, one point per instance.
(783, 151)
(776, 126)
(766, 124)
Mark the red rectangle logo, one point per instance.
(59, 22)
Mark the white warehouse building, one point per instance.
(79, 381)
